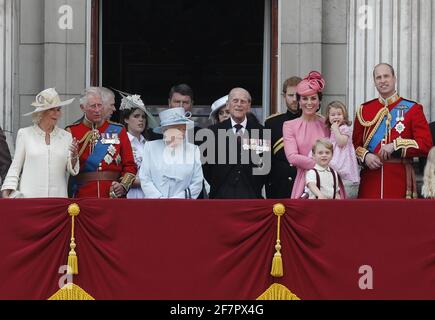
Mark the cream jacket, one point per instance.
(39, 170)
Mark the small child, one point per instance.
(428, 189)
(344, 159)
(322, 181)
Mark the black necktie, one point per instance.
(238, 127)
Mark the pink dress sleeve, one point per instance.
(292, 150)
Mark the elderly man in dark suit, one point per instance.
(241, 159)
(5, 156)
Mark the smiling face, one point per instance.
(239, 104)
(385, 80)
(136, 122)
(309, 105)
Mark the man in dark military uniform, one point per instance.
(280, 180)
(107, 167)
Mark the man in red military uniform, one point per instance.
(388, 133)
(107, 167)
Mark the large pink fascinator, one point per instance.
(312, 84)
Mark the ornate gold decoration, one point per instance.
(277, 269)
(73, 268)
(278, 292)
(71, 292)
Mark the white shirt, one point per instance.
(326, 181)
(39, 170)
(164, 174)
(243, 124)
(138, 147)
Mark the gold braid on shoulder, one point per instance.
(377, 120)
(85, 140)
(381, 114)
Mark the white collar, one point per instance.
(243, 123)
(132, 137)
(321, 169)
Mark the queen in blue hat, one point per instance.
(171, 167)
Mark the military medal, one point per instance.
(400, 127)
(118, 160)
(111, 150)
(108, 159)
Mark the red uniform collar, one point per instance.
(389, 101)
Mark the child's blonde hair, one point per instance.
(337, 105)
(428, 189)
(323, 142)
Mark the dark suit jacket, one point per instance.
(5, 156)
(281, 178)
(218, 175)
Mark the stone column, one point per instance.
(52, 53)
(397, 32)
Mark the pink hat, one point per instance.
(312, 84)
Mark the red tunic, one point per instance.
(118, 160)
(410, 135)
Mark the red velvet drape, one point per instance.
(181, 249)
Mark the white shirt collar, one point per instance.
(244, 123)
(321, 169)
(132, 138)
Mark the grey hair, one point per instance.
(106, 94)
(246, 92)
(37, 117)
(91, 91)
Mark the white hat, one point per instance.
(173, 116)
(217, 105)
(46, 100)
(133, 101)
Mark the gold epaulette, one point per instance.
(273, 116)
(404, 145)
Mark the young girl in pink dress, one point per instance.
(344, 159)
(301, 134)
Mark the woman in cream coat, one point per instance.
(45, 155)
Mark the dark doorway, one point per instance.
(150, 45)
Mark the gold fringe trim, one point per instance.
(277, 270)
(71, 292)
(278, 292)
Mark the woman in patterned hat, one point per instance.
(300, 134)
(45, 154)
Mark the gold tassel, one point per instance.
(73, 265)
(277, 270)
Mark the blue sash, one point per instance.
(100, 151)
(379, 135)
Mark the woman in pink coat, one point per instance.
(300, 134)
